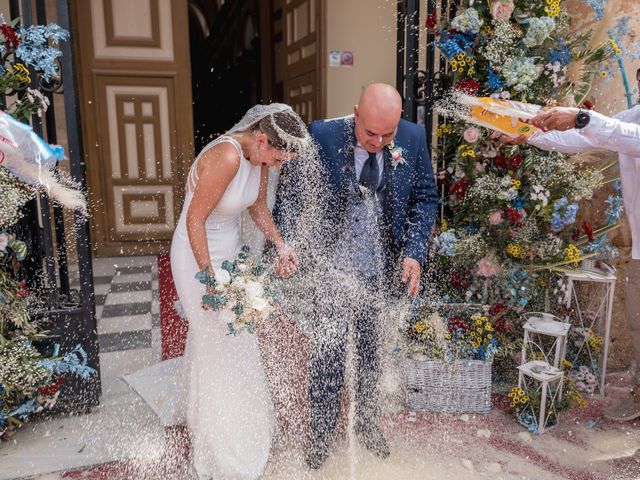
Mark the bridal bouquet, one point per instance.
(241, 287)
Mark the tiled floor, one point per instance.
(122, 426)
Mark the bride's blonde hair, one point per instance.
(285, 130)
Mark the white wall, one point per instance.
(368, 29)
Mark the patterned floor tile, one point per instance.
(117, 342)
(126, 323)
(134, 269)
(126, 309)
(122, 298)
(137, 277)
(131, 287)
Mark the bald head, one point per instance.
(377, 115)
(381, 98)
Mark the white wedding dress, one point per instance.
(229, 412)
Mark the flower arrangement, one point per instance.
(30, 380)
(511, 211)
(449, 333)
(242, 287)
(511, 217)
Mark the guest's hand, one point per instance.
(504, 138)
(411, 275)
(287, 262)
(556, 118)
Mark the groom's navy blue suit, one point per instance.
(407, 208)
(411, 199)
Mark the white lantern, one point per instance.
(593, 313)
(542, 381)
(545, 334)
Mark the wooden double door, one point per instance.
(137, 112)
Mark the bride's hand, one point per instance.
(287, 262)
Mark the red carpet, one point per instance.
(173, 328)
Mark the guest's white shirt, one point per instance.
(620, 134)
(361, 155)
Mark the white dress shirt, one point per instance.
(361, 155)
(620, 134)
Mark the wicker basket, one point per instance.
(462, 386)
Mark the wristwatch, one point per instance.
(582, 118)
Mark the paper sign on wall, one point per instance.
(339, 58)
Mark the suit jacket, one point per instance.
(410, 200)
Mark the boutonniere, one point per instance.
(396, 155)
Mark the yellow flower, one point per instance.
(419, 327)
(572, 254)
(514, 250)
(444, 226)
(516, 183)
(614, 45)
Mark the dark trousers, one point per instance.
(341, 314)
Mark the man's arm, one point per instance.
(422, 206)
(601, 133)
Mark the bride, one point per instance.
(228, 406)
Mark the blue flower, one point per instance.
(563, 214)
(561, 54)
(518, 203)
(445, 243)
(36, 51)
(494, 80)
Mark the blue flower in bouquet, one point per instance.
(563, 214)
(561, 54)
(528, 421)
(518, 203)
(448, 46)
(495, 82)
(539, 30)
(445, 243)
(518, 287)
(35, 50)
(468, 21)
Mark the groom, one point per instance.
(382, 201)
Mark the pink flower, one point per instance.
(471, 135)
(495, 218)
(502, 9)
(4, 242)
(486, 268)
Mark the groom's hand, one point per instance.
(411, 275)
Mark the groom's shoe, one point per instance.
(317, 451)
(372, 438)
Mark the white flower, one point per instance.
(254, 289)
(257, 303)
(222, 276)
(240, 282)
(243, 267)
(4, 241)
